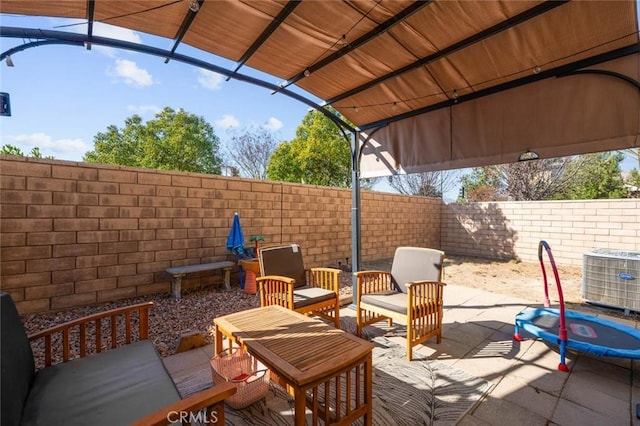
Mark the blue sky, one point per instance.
(62, 96)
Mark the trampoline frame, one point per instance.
(525, 319)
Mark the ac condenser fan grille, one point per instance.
(612, 278)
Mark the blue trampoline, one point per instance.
(575, 330)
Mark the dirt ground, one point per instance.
(519, 279)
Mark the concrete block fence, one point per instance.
(513, 230)
(75, 233)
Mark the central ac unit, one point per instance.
(612, 278)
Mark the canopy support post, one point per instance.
(355, 209)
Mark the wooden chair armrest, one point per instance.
(69, 327)
(420, 293)
(276, 290)
(372, 282)
(326, 278)
(211, 399)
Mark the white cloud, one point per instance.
(103, 30)
(144, 109)
(131, 73)
(227, 121)
(210, 80)
(273, 124)
(61, 149)
(118, 33)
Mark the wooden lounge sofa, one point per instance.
(125, 383)
(411, 293)
(284, 281)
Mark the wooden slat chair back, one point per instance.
(284, 281)
(410, 293)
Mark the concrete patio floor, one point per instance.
(526, 386)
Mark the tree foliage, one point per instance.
(483, 184)
(8, 149)
(596, 177)
(318, 155)
(172, 141)
(428, 184)
(591, 176)
(249, 150)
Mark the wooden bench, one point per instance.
(181, 271)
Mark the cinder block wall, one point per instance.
(75, 233)
(513, 230)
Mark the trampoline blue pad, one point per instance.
(586, 333)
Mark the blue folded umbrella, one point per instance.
(235, 240)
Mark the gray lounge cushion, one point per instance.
(416, 264)
(114, 387)
(305, 296)
(391, 300)
(16, 363)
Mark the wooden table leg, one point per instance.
(368, 383)
(218, 342)
(300, 407)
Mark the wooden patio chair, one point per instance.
(284, 281)
(410, 293)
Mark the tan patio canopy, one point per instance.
(428, 85)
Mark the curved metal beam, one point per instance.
(366, 141)
(36, 44)
(614, 74)
(61, 37)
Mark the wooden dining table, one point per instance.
(326, 370)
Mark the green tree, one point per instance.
(598, 177)
(318, 155)
(583, 177)
(14, 150)
(172, 141)
(482, 184)
(634, 178)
